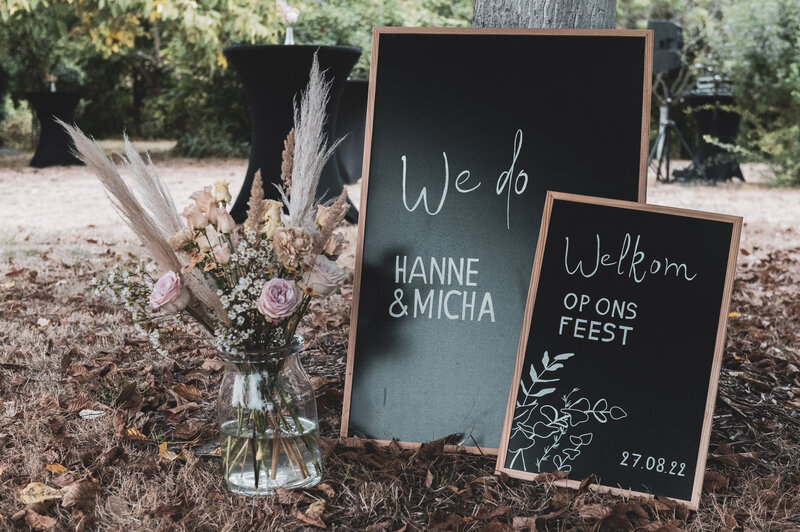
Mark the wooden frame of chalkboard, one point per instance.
(719, 342)
(645, 36)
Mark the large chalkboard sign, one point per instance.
(467, 130)
(621, 348)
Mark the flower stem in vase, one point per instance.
(256, 461)
(309, 441)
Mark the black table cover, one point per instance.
(352, 122)
(713, 116)
(55, 146)
(272, 75)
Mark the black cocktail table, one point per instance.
(272, 75)
(55, 146)
(351, 122)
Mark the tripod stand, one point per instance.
(663, 140)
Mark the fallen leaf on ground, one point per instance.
(168, 510)
(38, 492)
(163, 452)
(287, 497)
(327, 490)
(128, 398)
(79, 494)
(594, 511)
(40, 522)
(212, 364)
(524, 523)
(311, 516)
(188, 430)
(56, 468)
(133, 434)
(187, 391)
(714, 481)
(316, 507)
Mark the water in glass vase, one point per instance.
(286, 458)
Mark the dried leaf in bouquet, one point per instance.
(333, 216)
(256, 205)
(287, 161)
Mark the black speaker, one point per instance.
(668, 42)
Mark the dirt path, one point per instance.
(44, 205)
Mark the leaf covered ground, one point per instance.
(98, 432)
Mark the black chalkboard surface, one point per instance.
(621, 347)
(467, 129)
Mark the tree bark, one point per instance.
(591, 14)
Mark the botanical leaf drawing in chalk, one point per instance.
(546, 433)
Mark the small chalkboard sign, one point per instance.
(467, 129)
(621, 348)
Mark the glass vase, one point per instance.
(267, 415)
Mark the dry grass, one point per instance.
(63, 349)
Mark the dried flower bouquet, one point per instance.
(248, 286)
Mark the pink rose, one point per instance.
(279, 299)
(167, 293)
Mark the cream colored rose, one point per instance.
(291, 244)
(225, 222)
(221, 192)
(204, 200)
(213, 214)
(272, 220)
(222, 253)
(324, 278)
(335, 245)
(194, 218)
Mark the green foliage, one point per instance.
(16, 128)
(350, 22)
(35, 48)
(756, 43)
(223, 128)
(207, 114)
(155, 67)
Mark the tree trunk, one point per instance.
(592, 14)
